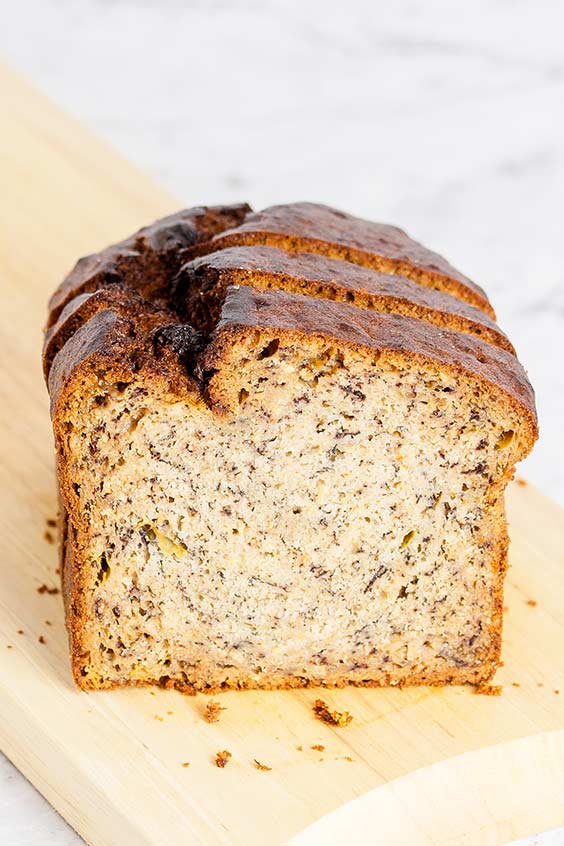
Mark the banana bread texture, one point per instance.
(282, 444)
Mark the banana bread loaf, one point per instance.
(282, 445)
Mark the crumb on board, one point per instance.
(532, 603)
(185, 764)
(486, 689)
(158, 717)
(9, 646)
(318, 747)
(41, 639)
(212, 711)
(333, 718)
(540, 684)
(345, 758)
(222, 758)
(170, 713)
(515, 684)
(262, 767)
(46, 589)
(48, 623)
(48, 536)
(557, 692)
(522, 483)
(300, 748)
(21, 631)
(58, 571)
(51, 522)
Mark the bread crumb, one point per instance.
(486, 689)
(532, 603)
(222, 758)
(212, 711)
(515, 684)
(300, 748)
(332, 718)
(48, 537)
(159, 718)
(318, 747)
(540, 684)
(21, 631)
(9, 646)
(51, 522)
(557, 692)
(170, 713)
(522, 483)
(46, 589)
(48, 623)
(41, 639)
(260, 766)
(345, 758)
(185, 764)
(58, 571)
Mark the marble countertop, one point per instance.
(445, 119)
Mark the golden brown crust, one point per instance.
(316, 228)
(200, 287)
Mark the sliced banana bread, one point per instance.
(281, 460)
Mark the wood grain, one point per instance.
(111, 763)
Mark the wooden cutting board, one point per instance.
(430, 766)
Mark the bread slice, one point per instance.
(199, 288)
(315, 228)
(296, 490)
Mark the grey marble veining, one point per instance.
(442, 117)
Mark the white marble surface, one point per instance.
(444, 117)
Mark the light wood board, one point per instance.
(431, 766)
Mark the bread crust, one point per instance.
(319, 276)
(84, 307)
(114, 332)
(312, 227)
(147, 259)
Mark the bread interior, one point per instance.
(341, 521)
